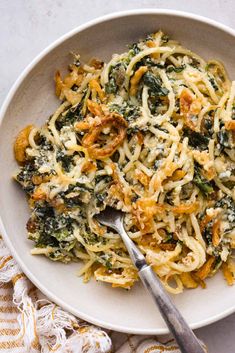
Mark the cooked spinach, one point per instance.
(92, 238)
(208, 125)
(66, 160)
(226, 201)
(213, 83)
(45, 239)
(205, 186)
(72, 115)
(105, 259)
(228, 204)
(161, 128)
(155, 85)
(145, 61)
(132, 130)
(82, 196)
(24, 177)
(63, 254)
(172, 68)
(207, 232)
(44, 144)
(51, 226)
(26, 172)
(43, 210)
(160, 66)
(129, 111)
(154, 102)
(106, 178)
(225, 139)
(194, 63)
(101, 196)
(134, 49)
(111, 86)
(71, 202)
(196, 139)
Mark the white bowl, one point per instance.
(32, 100)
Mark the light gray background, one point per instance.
(28, 26)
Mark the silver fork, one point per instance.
(184, 336)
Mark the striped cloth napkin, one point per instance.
(30, 323)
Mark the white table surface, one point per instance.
(28, 26)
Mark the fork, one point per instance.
(184, 336)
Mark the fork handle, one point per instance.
(184, 336)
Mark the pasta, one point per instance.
(152, 133)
